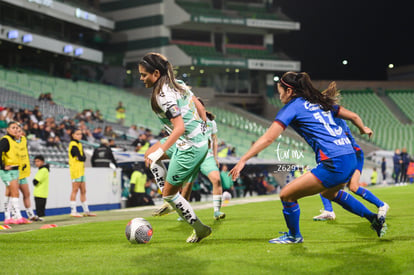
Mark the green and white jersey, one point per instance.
(194, 134)
(211, 130)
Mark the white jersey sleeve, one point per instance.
(167, 98)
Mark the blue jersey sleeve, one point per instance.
(336, 110)
(286, 114)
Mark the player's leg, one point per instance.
(209, 168)
(367, 195)
(85, 206)
(24, 188)
(183, 166)
(159, 171)
(75, 188)
(327, 212)
(14, 199)
(186, 212)
(305, 185)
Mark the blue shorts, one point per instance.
(360, 160)
(335, 171)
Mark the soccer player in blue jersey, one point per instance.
(353, 185)
(309, 113)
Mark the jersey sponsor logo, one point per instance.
(311, 106)
(175, 177)
(186, 213)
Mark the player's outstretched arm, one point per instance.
(355, 119)
(264, 141)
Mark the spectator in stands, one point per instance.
(103, 156)
(133, 132)
(97, 133)
(397, 165)
(138, 182)
(162, 134)
(37, 114)
(141, 144)
(3, 122)
(120, 113)
(112, 144)
(109, 132)
(141, 130)
(98, 116)
(66, 137)
(405, 158)
(36, 131)
(384, 170)
(41, 185)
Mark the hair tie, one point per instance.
(288, 85)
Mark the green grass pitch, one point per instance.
(238, 245)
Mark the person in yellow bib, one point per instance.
(9, 174)
(120, 113)
(41, 185)
(24, 172)
(77, 174)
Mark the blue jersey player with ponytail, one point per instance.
(310, 113)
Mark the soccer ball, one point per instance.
(138, 230)
(226, 196)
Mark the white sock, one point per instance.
(159, 171)
(73, 207)
(185, 211)
(15, 208)
(85, 207)
(7, 214)
(217, 199)
(29, 212)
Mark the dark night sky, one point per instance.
(369, 34)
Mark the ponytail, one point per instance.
(302, 86)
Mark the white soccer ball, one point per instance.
(226, 196)
(138, 230)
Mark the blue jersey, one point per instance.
(342, 123)
(317, 127)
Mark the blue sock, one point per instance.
(367, 195)
(353, 205)
(291, 212)
(327, 205)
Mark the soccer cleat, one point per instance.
(10, 221)
(197, 237)
(36, 219)
(76, 215)
(219, 215)
(5, 227)
(23, 221)
(379, 225)
(286, 239)
(382, 211)
(163, 210)
(325, 216)
(89, 214)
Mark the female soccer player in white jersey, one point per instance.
(175, 106)
(209, 168)
(309, 113)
